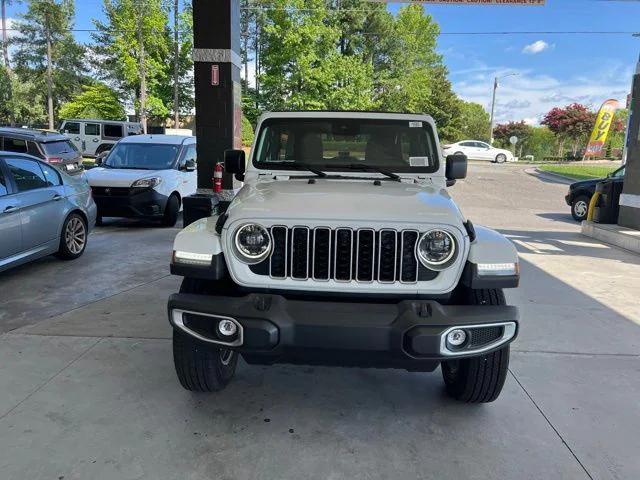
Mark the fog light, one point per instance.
(456, 337)
(227, 328)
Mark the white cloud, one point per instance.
(536, 47)
(530, 95)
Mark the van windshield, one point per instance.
(344, 144)
(144, 156)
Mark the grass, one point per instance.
(579, 172)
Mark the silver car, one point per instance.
(43, 211)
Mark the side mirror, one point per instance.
(234, 162)
(190, 165)
(456, 167)
(100, 158)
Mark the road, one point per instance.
(87, 387)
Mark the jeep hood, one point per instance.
(345, 201)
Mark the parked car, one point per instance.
(42, 211)
(92, 137)
(145, 176)
(580, 194)
(344, 247)
(477, 150)
(51, 147)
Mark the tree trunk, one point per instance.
(49, 75)
(176, 70)
(5, 47)
(143, 75)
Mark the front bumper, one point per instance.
(409, 334)
(129, 202)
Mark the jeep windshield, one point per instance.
(143, 156)
(339, 145)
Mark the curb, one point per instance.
(555, 177)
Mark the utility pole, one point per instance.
(493, 108)
(143, 73)
(176, 70)
(47, 27)
(5, 47)
(493, 103)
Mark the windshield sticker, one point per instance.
(419, 161)
(415, 124)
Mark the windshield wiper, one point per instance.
(312, 169)
(371, 168)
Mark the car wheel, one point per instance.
(201, 367)
(73, 239)
(478, 379)
(580, 208)
(458, 153)
(171, 211)
(501, 158)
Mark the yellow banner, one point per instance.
(601, 128)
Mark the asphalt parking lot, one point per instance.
(88, 391)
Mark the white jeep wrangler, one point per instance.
(344, 248)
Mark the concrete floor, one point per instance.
(88, 391)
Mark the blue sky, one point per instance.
(554, 70)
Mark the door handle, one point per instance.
(10, 209)
(77, 139)
(57, 198)
(95, 140)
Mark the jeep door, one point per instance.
(72, 130)
(92, 137)
(10, 229)
(40, 198)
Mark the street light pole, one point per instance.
(493, 103)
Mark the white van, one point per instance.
(145, 176)
(92, 137)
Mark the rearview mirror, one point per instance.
(234, 162)
(456, 167)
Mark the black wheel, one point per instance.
(201, 367)
(73, 239)
(580, 207)
(171, 211)
(458, 153)
(501, 158)
(478, 379)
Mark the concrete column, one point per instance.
(216, 31)
(630, 198)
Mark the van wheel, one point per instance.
(478, 379)
(171, 211)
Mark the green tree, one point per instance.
(96, 101)
(47, 53)
(247, 132)
(503, 132)
(302, 67)
(21, 101)
(540, 142)
(474, 122)
(132, 48)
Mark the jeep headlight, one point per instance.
(253, 243)
(146, 182)
(436, 249)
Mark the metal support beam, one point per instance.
(630, 198)
(216, 31)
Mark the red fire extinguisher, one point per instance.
(217, 178)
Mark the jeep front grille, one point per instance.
(345, 255)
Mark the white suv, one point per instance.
(145, 176)
(344, 248)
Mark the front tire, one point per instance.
(73, 240)
(580, 208)
(478, 379)
(201, 367)
(171, 211)
(501, 158)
